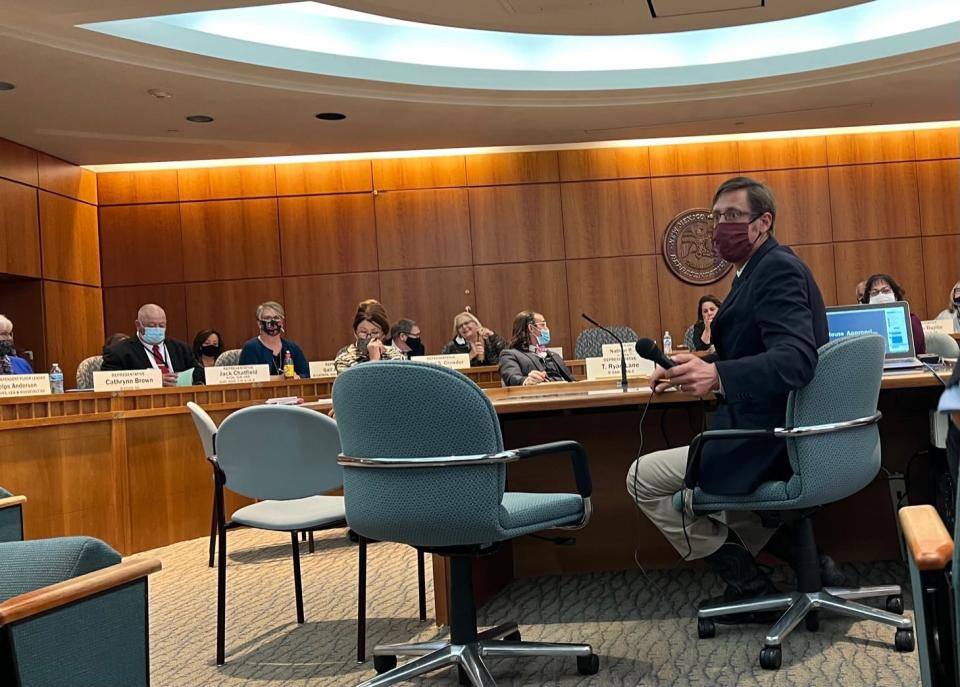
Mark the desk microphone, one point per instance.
(648, 349)
(623, 356)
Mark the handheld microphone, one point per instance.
(623, 356)
(648, 349)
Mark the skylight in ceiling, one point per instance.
(316, 38)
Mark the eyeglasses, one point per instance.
(271, 319)
(878, 291)
(732, 215)
(540, 325)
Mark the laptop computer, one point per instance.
(889, 320)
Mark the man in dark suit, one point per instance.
(766, 335)
(528, 361)
(151, 348)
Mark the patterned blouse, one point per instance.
(350, 356)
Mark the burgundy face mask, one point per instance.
(733, 241)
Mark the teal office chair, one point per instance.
(590, 341)
(834, 449)
(11, 516)
(429, 471)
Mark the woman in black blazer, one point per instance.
(528, 361)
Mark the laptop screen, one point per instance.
(889, 320)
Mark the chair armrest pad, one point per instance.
(69, 591)
(578, 457)
(928, 541)
(11, 501)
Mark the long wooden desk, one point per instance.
(128, 468)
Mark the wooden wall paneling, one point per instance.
(516, 223)
(73, 322)
(18, 163)
(803, 204)
(21, 300)
(210, 183)
(328, 234)
(423, 172)
(70, 240)
(141, 244)
(678, 300)
(423, 229)
(607, 218)
(874, 201)
(694, 158)
(938, 184)
(19, 230)
(66, 472)
(850, 149)
(604, 163)
(935, 144)
(66, 179)
(320, 309)
(121, 303)
(819, 258)
(504, 290)
(673, 195)
(941, 270)
(119, 188)
(230, 307)
(902, 259)
(430, 297)
(324, 177)
(512, 168)
(783, 153)
(230, 239)
(614, 291)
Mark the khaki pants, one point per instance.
(652, 481)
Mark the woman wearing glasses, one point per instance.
(528, 361)
(269, 347)
(882, 288)
(952, 312)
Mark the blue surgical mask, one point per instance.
(543, 338)
(154, 335)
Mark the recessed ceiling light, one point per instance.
(6, 86)
(159, 93)
(331, 116)
(200, 119)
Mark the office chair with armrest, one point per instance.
(430, 472)
(85, 371)
(834, 450)
(72, 613)
(590, 341)
(942, 344)
(11, 516)
(228, 357)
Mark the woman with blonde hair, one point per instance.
(471, 337)
(952, 312)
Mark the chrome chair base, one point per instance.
(798, 606)
(469, 657)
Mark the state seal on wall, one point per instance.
(689, 251)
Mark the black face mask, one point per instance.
(210, 351)
(416, 346)
(271, 327)
(6, 348)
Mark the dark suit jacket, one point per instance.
(515, 365)
(130, 354)
(766, 335)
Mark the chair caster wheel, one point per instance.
(771, 657)
(895, 604)
(588, 665)
(382, 664)
(512, 637)
(812, 622)
(903, 641)
(706, 628)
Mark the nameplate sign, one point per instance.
(322, 368)
(25, 385)
(455, 361)
(237, 374)
(937, 327)
(629, 350)
(609, 367)
(126, 380)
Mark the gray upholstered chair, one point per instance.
(834, 450)
(85, 371)
(11, 516)
(229, 357)
(942, 344)
(590, 341)
(72, 613)
(286, 457)
(430, 472)
(207, 431)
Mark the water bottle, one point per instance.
(56, 379)
(288, 370)
(667, 343)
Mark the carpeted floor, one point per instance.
(641, 626)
